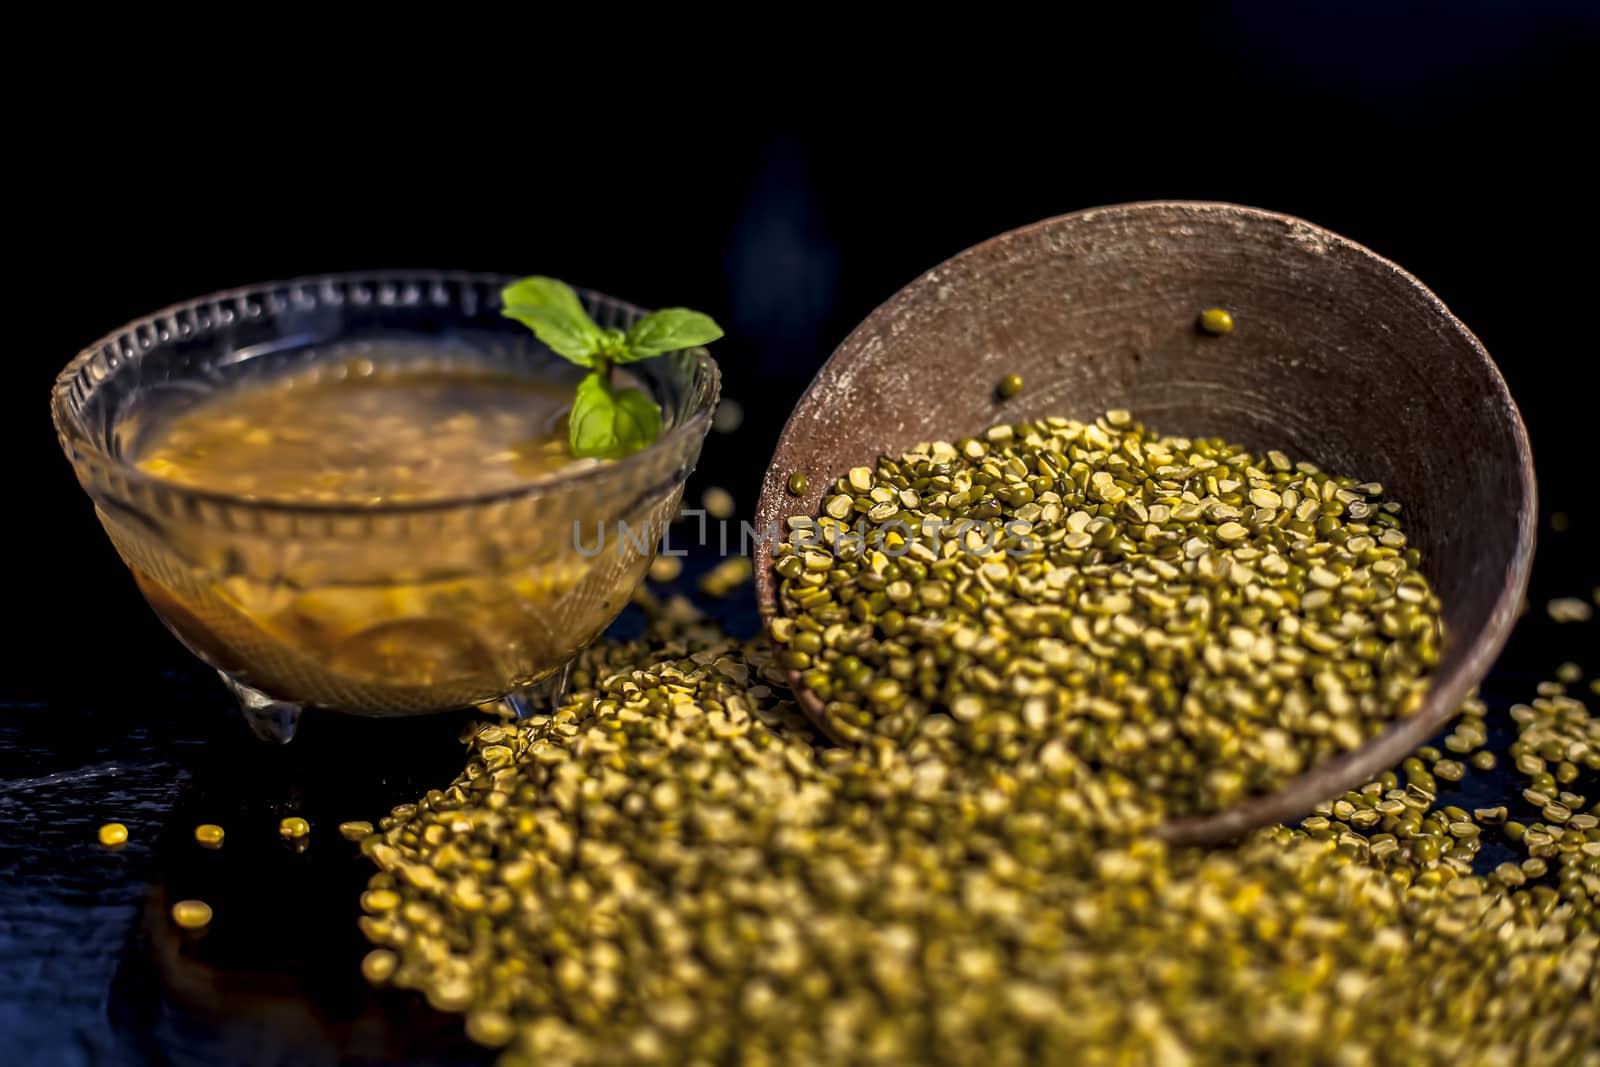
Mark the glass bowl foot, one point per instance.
(268, 718)
(538, 698)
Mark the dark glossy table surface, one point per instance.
(92, 971)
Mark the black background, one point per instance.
(788, 193)
(785, 190)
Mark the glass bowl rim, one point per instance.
(78, 445)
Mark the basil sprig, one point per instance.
(605, 422)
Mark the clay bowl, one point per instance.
(1338, 356)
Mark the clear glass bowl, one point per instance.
(387, 609)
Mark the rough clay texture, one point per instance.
(1337, 356)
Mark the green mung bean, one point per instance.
(1569, 609)
(727, 576)
(192, 914)
(1216, 321)
(718, 502)
(665, 569)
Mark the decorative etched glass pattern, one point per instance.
(386, 609)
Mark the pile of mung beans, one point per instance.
(676, 867)
(1194, 621)
(673, 868)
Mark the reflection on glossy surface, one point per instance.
(276, 967)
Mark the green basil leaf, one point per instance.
(541, 292)
(668, 330)
(607, 423)
(555, 315)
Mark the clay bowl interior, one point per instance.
(1338, 356)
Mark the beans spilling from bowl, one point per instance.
(674, 868)
(1195, 621)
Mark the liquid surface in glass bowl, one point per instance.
(365, 431)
